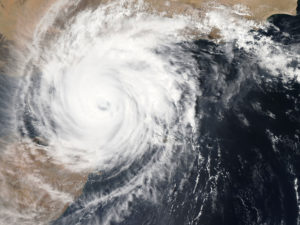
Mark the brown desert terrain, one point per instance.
(20, 17)
(33, 184)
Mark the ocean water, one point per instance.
(172, 128)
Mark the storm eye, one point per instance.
(103, 105)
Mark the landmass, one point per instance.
(33, 186)
(18, 18)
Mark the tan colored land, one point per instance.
(260, 9)
(20, 17)
(34, 187)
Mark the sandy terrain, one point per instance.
(260, 9)
(19, 17)
(33, 186)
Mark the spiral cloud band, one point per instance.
(108, 93)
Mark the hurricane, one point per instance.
(110, 94)
(121, 113)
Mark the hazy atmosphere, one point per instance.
(135, 112)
